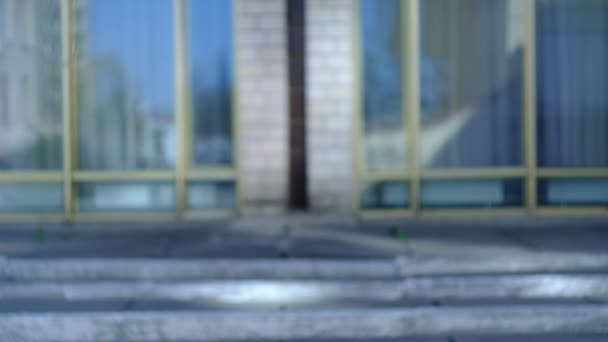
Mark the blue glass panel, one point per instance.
(212, 80)
(30, 85)
(384, 138)
(31, 197)
(385, 195)
(471, 83)
(211, 195)
(573, 192)
(572, 83)
(123, 196)
(471, 193)
(125, 84)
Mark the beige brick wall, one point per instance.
(330, 107)
(262, 82)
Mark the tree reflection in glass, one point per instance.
(384, 137)
(471, 83)
(212, 77)
(125, 84)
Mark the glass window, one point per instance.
(384, 137)
(471, 193)
(122, 196)
(31, 197)
(574, 192)
(125, 84)
(30, 86)
(19, 21)
(210, 195)
(471, 83)
(212, 78)
(385, 195)
(2, 24)
(572, 83)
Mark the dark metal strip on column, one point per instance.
(296, 26)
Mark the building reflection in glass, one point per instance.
(30, 85)
(125, 84)
(471, 83)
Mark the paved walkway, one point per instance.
(302, 237)
(306, 279)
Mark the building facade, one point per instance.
(214, 108)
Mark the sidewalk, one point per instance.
(305, 278)
(307, 237)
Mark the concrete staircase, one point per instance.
(499, 293)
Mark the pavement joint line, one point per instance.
(306, 324)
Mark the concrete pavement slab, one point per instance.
(313, 324)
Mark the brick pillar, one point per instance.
(330, 110)
(262, 105)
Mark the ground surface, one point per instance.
(445, 269)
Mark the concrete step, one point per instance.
(319, 269)
(163, 269)
(314, 293)
(467, 338)
(303, 324)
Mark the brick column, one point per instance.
(261, 38)
(330, 107)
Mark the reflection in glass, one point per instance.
(30, 85)
(385, 195)
(118, 196)
(211, 63)
(31, 197)
(210, 195)
(467, 193)
(470, 79)
(383, 127)
(593, 191)
(125, 84)
(572, 83)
